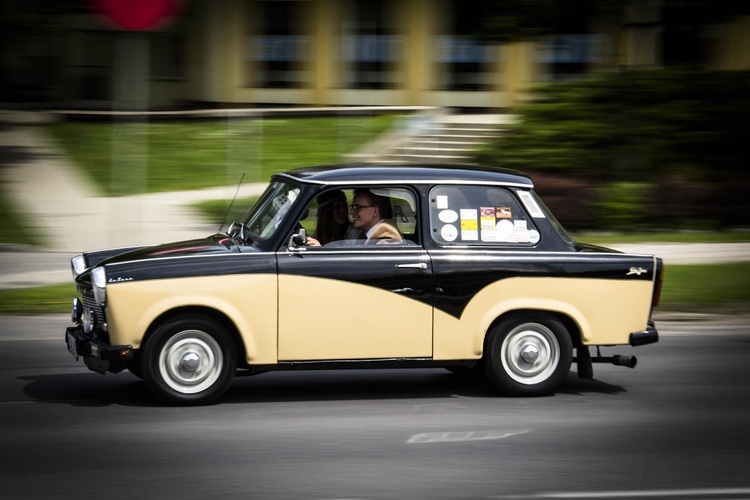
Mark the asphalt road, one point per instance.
(676, 427)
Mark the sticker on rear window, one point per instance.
(531, 205)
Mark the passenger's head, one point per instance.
(368, 209)
(333, 219)
(332, 207)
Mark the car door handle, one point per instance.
(421, 265)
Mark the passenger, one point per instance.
(373, 214)
(333, 220)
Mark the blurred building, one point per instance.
(341, 52)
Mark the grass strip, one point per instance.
(132, 158)
(604, 239)
(38, 300)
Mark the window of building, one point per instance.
(166, 56)
(567, 56)
(371, 47)
(280, 46)
(464, 61)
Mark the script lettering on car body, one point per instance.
(637, 271)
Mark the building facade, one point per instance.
(241, 53)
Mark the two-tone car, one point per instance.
(482, 278)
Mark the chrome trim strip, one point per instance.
(441, 182)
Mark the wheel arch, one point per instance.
(570, 324)
(208, 312)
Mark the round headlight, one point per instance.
(89, 320)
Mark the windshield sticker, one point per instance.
(504, 230)
(469, 226)
(442, 202)
(504, 213)
(449, 232)
(534, 236)
(487, 217)
(531, 205)
(448, 216)
(489, 235)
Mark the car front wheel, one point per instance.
(189, 361)
(528, 355)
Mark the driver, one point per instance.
(373, 214)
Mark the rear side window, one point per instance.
(479, 215)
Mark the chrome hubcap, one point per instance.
(530, 353)
(191, 361)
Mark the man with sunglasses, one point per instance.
(373, 214)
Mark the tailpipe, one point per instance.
(584, 360)
(629, 361)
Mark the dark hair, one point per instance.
(382, 202)
(327, 230)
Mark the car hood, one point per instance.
(218, 243)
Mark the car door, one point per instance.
(360, 303)
(357, 301)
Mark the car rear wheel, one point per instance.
(528, 355)
(189, 361)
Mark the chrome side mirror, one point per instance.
(298, 239)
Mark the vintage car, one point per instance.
(476, 276)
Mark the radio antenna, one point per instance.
(226, 214)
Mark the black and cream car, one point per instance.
(484, 279)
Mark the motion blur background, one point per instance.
(629, 114)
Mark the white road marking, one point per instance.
(461, 436)
(701, 493)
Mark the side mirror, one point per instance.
(298, 239)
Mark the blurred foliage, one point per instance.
(682, 132)
(622, 205)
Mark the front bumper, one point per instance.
(647, 336)
(98, 356)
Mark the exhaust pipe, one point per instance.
(617, 360)
(629, 361)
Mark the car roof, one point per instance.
(412, 173)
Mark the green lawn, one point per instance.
(664, 237)
(707, 288)
(698, 288)
(130, 158)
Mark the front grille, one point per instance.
(87, 297)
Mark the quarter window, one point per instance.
(474, 215)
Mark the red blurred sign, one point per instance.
(138, 15)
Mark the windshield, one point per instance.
(264, 218)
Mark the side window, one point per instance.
(479, 215)
(333, 223)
